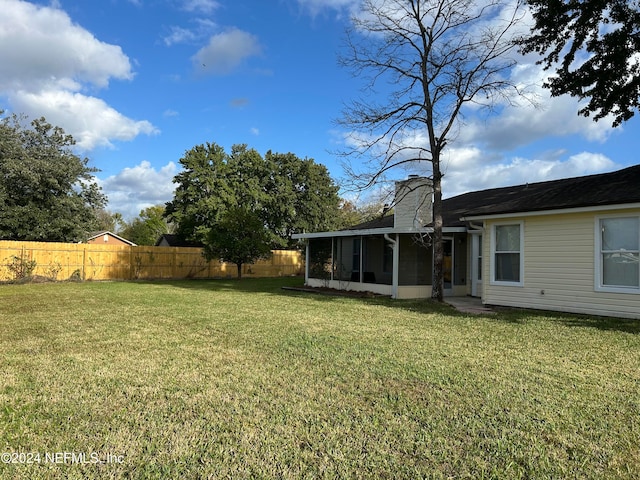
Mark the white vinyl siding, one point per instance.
(560, 266)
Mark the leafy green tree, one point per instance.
(112, 222)
(593, 47)
(286, 193)
(352, 214)
(302, 196)
(148, 226)
(47, 193)
(202, 192)
(239, 237)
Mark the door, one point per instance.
(476, 265)
(447, 265)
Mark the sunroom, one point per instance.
(396, 264)
(392, 255)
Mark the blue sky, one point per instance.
(139, 82)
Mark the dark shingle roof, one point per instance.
(384, 222)
(177, 241)
(620, 187)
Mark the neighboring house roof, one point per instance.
(172, 240)
(106, 232)
(383, 222)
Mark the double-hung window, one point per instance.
(507, 259)
(618, 254)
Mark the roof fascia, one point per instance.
(344, 233)
(372, 231)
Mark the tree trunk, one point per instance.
(239, 265)
(437, 291)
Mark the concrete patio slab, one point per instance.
(469, 305)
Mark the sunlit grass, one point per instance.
(244, 380)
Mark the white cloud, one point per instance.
(476, 173)
(180, 35)
(468, 168)
(226, 51)
(202, 29)
(200, 6)
(255, 131)
(47, 61)
(90, 120)
(41, 45)
(525, 123)
(139, 187)
(316, 6)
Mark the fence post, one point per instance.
(84, 261)
(131, 263)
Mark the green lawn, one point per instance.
(225, 379)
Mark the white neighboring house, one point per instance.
(567, 245)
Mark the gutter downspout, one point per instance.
(396, 259)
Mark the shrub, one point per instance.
(76, 276)
(21, 267)
(53, 270)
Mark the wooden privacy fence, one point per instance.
(62, 261)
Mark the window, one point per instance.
(507, 257)
(618, 252)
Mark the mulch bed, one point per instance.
(334, 292)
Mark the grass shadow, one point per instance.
(247, 285)
(613, 324)
(274, 286)
(604, 323)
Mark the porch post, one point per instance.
(396, 266)
(333, 260)
(361, 257)
(395, 269)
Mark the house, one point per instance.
(108, 238)
(568, 245)
(171, 240)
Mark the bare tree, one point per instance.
(429, 59)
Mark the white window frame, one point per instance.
(598, 274)
(492, 259)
